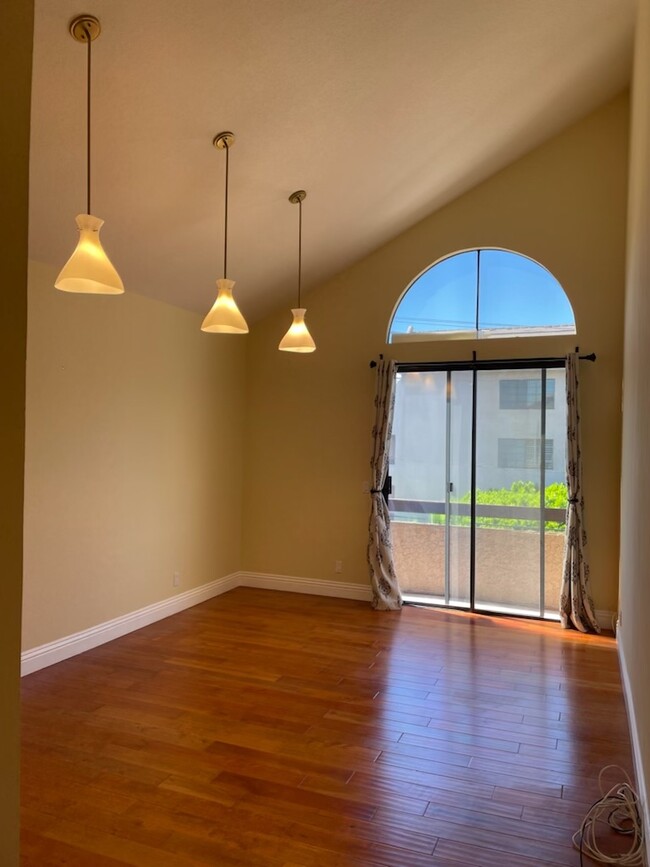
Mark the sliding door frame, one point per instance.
(475, 366)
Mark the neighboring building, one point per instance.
(509, 425)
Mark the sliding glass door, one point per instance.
(431, 476)
(479, 493)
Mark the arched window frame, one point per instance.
(477, 333)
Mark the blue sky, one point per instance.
(514, 291)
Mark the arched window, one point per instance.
(481, 294)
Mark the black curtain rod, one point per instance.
(487, 364)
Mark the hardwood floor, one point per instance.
(281, 730)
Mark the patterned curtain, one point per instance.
(385, 589)
(576, 604)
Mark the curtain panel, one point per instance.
(386, 595)
(576, 604)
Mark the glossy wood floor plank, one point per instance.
(267, 729)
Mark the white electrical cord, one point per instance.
(618, 808)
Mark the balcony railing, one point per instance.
(518, 560)
(482, 510)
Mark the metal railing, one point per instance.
(439, 507)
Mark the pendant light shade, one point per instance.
(224, 316)
(298, 338)
(88, 270)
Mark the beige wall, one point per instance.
(309, 417)
(635, 491)
(133, 456)
(16, 20)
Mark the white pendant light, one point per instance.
(224, 316)
(298, 338)
(88, 270)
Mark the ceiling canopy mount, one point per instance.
(85, 28)
(224, 140)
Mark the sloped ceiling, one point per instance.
(383, 110)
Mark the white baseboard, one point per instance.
(71, 645)
(636, 746)
(56, 651)
(312, 586)
(606, 619)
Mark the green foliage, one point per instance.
(519, 494)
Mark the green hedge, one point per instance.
(518, 494)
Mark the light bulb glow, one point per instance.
(298, 338)
(224, 316)
(89, 270)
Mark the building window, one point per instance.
(481, 294)
(524, 454)
(525, 393)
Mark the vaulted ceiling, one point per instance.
(383, 110)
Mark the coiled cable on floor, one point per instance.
(618, 808)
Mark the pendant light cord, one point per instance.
(299, 249)
(225, 219)
(89, 41)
